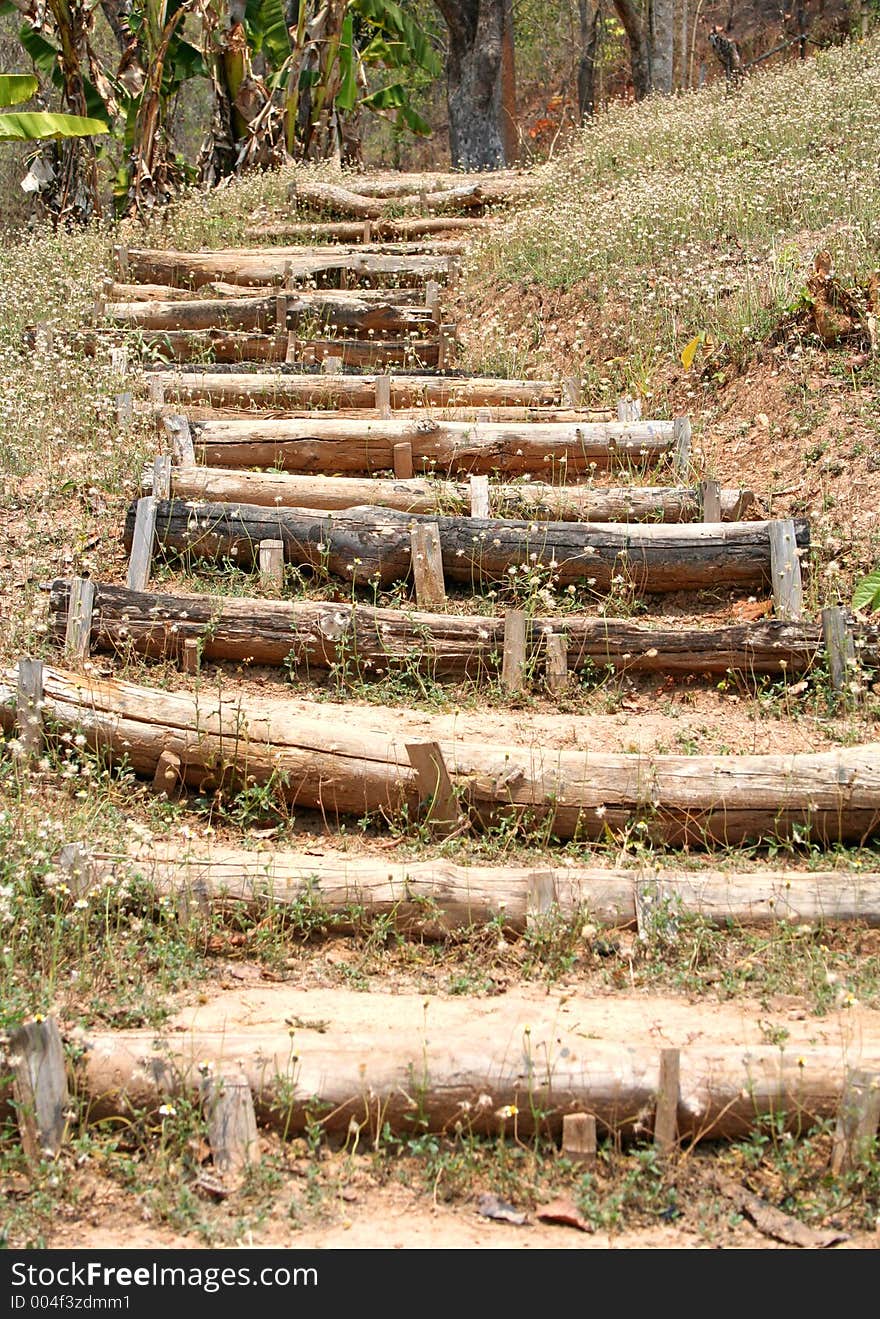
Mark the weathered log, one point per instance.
(499, 183)
(342, 201)
(342, 312)
(317, 635)
(368, 354)
(368, 544)
(271, 389)
(431, 899)
(351, 231)
(549, 449)
(205, 412)
(235, 346)
(218, 293)
(275, 265)
(577, 503)
(449, 1064)
(340, 768)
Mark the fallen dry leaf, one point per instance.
(749, 610)
(773, 1222)
(565, 1212)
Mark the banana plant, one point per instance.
(38, 125)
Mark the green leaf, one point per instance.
(391, 19)
(17, 87)
(388, 98)
(867, 592)
(37, 125)
(266, 25)
(346, 97)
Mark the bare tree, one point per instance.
(589, 14)
(473, 81)
(661, 28)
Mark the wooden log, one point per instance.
(839, 647)
(666, 1112)
(39, 1085)
(284, 311)
(347, 769)
(352, 231)
(305, 300)
(579, 1139)
(430, 899)
(557, 662)
(367, 354)
(857, 1121)
(29, 706)
(357, 1069)
(409, 183)
(369, 544)
(271, 565)
(277, 390)
(317, 635)
(231, 1121)
(438, 796)
(513, 665)
(276, 265)
(788, 595)
(77, 637)
(350, 445)
(342, 201)
(140, 543)
(427, 566)
(532, 499)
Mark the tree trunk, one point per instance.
(589, 15)
(640, 64)
(509, 125)
(474, 82)
(661, 42)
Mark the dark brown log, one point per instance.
(339, 312)
(316, 635)
(546, 449)
(367, 544)
(274, 389)
(345, 766)
(579, 503)
(276, 265)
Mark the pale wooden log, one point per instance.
(839, 647)
(124, 409)
(332, 197)
(318, 635)
(383, 395)
(349, 445)
(443, 811)
(352, 231)
(430, 899)
(857, 1121)
(78, 633)
(272, 565)
(141, 542)
(682, 445)
(785, 566)
(666, 1111)
(275, 265)
(190, 656)
(281, 312)
(513, 666)
(368, 354)
(168, 773)
(161, 475)
(39, 1085)
(557, 662)
(29, 706)
(409, 183)
(179, 433)
(306, 301)
(533, 499)
(367, 543)
(276, 390)
(402, 460)
(479, 487)
(579, 1139)
(427, 566)
(825, 796)
(710, 501)
(231, 1122)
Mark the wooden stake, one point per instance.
(513, 665)
(543, 900)
(271, 565)
(29, 706)
(710, 501)
(142, 543)
(427, 566)
(666, 1114)
(281, 315)
(78, 634)
(120, 254)
(168, 774)
(39, 1086)
(232, 1123)
(579, 1138)
(119, 361)
(447, 347)
(681, 431)
(402, 459)
(479, 496)
(383, 396)
(857, 1121)
(157, 393)
(290, 354)
(432, 299)
(572, 389)
(162, 476)
(76, 863)
(178, 430)
(332, 366)
(839, 645)
(124, 410)
(556, 662)
(189, 657)
(629, 409)
(785, 571)
(368, 231)
(435, 785)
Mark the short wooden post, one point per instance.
(571, 387)
(272, 565)
(290, 351)
(119, 361)
(681, 436)
(124, 409)
(43, 337)
(857, 1120)
(666, 1113)
(710, 501)
(120, 254)
(189, 655)
(556, 662)
(168, 774)
(179, 433)
(839, 646)
(427, 566)
(383, 395)
(232, 1123)
(78, 632)
(629, 409)
(368, 231)
(281, 315)
(513, 664)
(142, 543)
(785, 571)
(157, 392)
(332, 365)
(446, 350)
(29, 706)
(479, 496)
(542, 901)
(39, 1086)
(432, 299)
(76, 865)
(579, 1138)
(435, 785)
(162, 476)
(402, 458)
